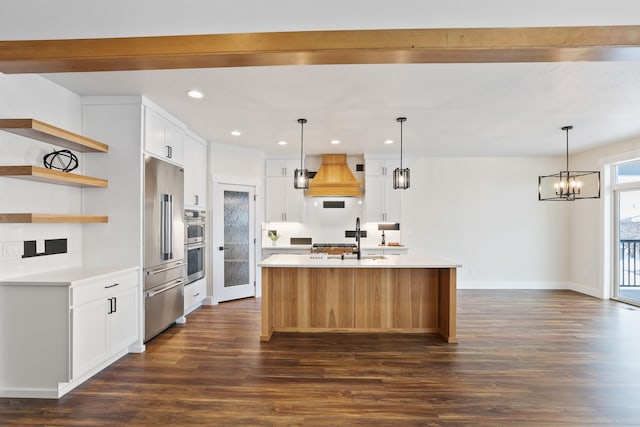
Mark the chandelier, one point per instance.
(569, 185)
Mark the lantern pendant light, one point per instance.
(400, 175)
(301, 176)
(566, 185)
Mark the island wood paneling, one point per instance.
(331, 298)
(448, 304)
(407, 300)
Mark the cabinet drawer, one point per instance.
(103, 287)
(194, 293)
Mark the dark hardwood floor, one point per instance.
(524, 358)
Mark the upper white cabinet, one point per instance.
(282, 167)
(162, 138)
(195, 173)
(380, 166)
(382, 202)
(283, 202)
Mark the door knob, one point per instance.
(221, 248)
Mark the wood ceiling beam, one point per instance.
(402, 46)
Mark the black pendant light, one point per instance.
(401, 176)
(301, 176)
(566, 185)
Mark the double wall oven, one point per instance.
(194, 245)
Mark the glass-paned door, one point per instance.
(627, 280)
(234, 257)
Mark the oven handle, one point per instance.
(196, 246)
(195, 221)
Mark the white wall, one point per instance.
(30, 96)
(589, 271)
(484, 213)
(481, 212)
(229, 164)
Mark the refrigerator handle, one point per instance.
(166, 226)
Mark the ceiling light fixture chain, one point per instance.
(567, 129)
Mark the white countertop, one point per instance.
(64, 277)
(285, 247)
(387, 261)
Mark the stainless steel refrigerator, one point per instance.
(164, 265)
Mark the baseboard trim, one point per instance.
(571, 286)
(512, 285)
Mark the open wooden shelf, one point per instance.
(41, 131)
(36, 173)
(6, 218)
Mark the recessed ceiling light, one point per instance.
(335, 142)
(236, 133)
(282, 142)
(193, 93)
(389, 141)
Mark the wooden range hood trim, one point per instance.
(399, 46)
(334, 178)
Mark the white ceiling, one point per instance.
(452, 109)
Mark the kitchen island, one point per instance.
(319, 293)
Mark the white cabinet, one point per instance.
(89, 337)
(194, 295)
(282, 167)
(380, 166)
(385, 250)
(104, 313)
(66, 325)
(161, 137)
(195, 173)
(283, 202)
(382, 202)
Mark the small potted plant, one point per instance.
(274, 236)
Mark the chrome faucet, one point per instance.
(358, 236)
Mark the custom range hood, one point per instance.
(334, 178)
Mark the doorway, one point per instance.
(627, 232)
(234, 241)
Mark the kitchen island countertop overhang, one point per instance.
(397, 293)
(378, 261)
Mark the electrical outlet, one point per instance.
(40, 248)
(12, 249)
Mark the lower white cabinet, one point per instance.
(386, 250)
(106, 324)
(194, 294)
(62, 327)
